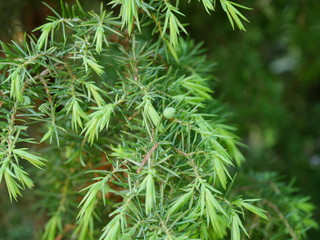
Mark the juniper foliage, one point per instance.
(114, 106)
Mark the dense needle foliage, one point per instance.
(128, 150)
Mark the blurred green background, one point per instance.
(268, 77)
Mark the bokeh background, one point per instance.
(268, 78)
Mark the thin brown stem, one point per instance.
(283, 218)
